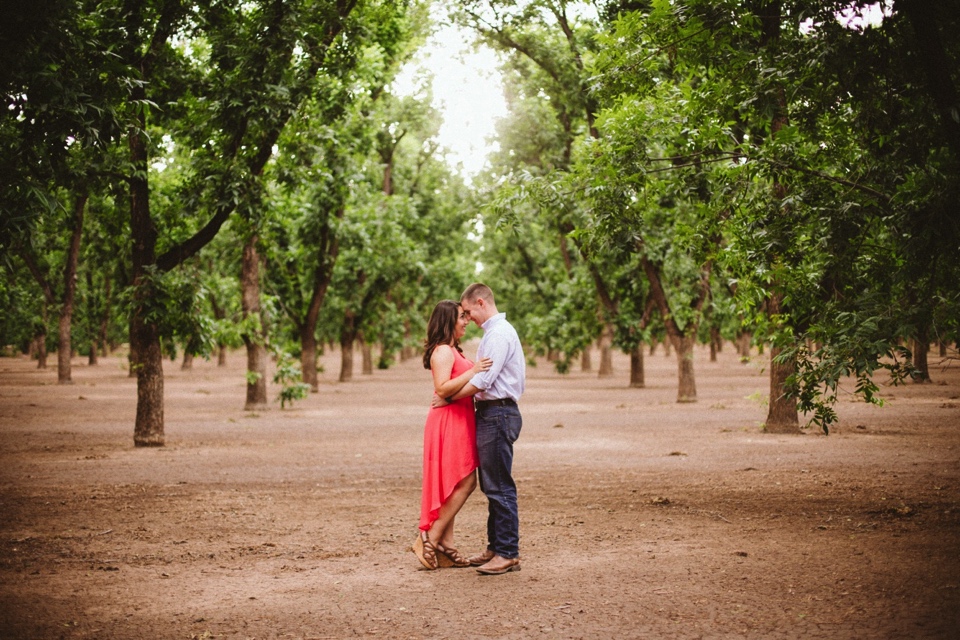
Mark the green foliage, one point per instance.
(788, 158)
(62, 86)
(175, 303)
(530, 255)
(859, 354)
(20, 309)
(780, 135)
(288, 376)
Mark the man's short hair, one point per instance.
(476, 291)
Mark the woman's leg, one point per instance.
(441, 531)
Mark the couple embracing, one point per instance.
(472, 424)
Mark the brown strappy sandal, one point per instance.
(453, 557)
(426, 551)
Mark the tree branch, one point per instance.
(178, 254)
(724, 156)
(34, 268)
(500, 35)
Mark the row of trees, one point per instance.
(216, 174)
(781, 168)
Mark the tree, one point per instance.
(544, 46)
(59, 122)
(320, 165)
(69, 287)
(247, 71)
(811, 205)
(402, 238)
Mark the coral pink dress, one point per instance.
(449, 449)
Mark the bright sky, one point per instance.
(870, 15)
(466, 90)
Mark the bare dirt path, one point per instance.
(640, 518)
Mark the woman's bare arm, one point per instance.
(441, 365)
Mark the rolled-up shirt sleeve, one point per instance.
(507, 373)
(497, 348)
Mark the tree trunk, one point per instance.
(64, 348)
(323, 274)
(254, 339)
(346, 359)
(40, 330)
(386, 357)
(715, 342)
(256, 376)
(782, 415)
(40, 340)
(684, 339)
(91, 319)
(388, 178)
(921, 347)
(586, 364)
(132, 355)
(606, 351)
(105, 319)
(406, 351)
(308, 358)
(687, 390)
(187, 364)
(366, 352)
(148, 430)
(683, 342)
(743, 345)
(220, 314)
(348, 335)
(146, 356)
(636, 367)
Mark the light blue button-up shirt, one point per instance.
(506, 377)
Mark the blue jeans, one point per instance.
(498, 427)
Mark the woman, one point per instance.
(449, 439)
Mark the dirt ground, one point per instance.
(640, 517)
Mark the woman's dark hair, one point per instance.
(441, 329)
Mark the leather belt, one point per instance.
(499, 402)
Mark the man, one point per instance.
(497, 391)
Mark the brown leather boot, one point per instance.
(481, 558)
(499, 565)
